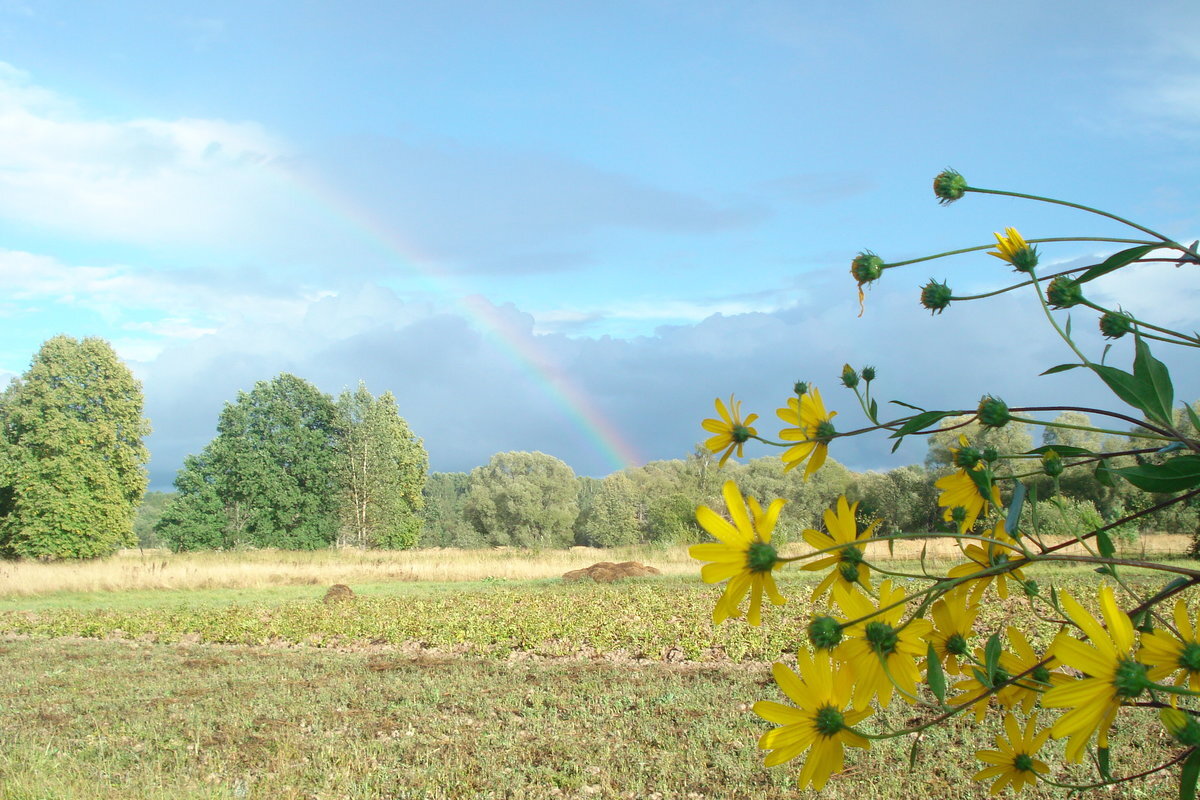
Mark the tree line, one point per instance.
(291, 467)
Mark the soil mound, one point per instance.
(338, 593)
(607, 572)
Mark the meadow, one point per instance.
(452, 674)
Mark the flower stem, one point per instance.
(1168, 241)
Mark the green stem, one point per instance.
(1029, 421)
(1168, 241)
(1080, 788)
(1143, 324)
(1030, 241)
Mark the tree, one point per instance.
(268, 479)
(381, 470)
(446, 525)
(614, 514)
(523, 499)
(72, 461)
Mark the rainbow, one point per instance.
(520, 346)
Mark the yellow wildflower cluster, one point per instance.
(1050, 674)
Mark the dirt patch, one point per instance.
(607, 572)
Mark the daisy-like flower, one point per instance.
(1166, 653)
(953, 622)
(1113, 674)
(812, 428)
(742, 554)
(731, 430)
(1038, 677)
(819, 722)
(876, 645)
(979, 690)
(849, 570)
(986, 555)
(1014, 763)
(1013, 248)
(962, 489)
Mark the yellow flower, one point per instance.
(953, 621)
(1013, 764)
(732, 431)
(819, 723)
(979, 690)
(986, 555)
(877, 645)
(1165, 653)
(1038, 677)
(743, 554)
(960, 490)
(1013, 248)
(842, 529)
(812, 429)
(1113, 675)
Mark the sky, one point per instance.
(568, 227)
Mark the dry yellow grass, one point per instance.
(161, 569)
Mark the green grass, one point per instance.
(486, 689)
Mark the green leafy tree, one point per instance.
(523, 499)
(148, 513)
(72, 461)
(444, 513)
(614, 515)
(268, 479)
(381, 471)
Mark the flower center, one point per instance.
(825, 632)
(882, 637)
(1023, 762)
(760, 557)
(740, 433)
(1130, 678)
(1040, 675)
(956, 644)
(829, 721)
(1189, 658)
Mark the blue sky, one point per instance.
(567, 226)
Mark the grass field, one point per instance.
(493, 687)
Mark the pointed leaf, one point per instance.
(1060, 368)
(936, 676)
(874, 411)
(1125, 386)
(1102, 762)
(906, 405)
(1116, 261)
(1014, 510)
(1177, 475)
(1062, 450)
(991, 658)
(1104, 543)
(1188, 775)
(1154, 374)
(1195, 419)
(921, 421)
(1068, 326)
(1104, 474)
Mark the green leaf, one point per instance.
(920, 421)
(1061, 368)
(1103, 763)
(1177, 475)
(1154, 374)
(936, 677)
(1105, 544)
(1132, 390)
(1104, 474)
(1014, 510)
(906, 405)
(991, 658)
(1188, 775)
(1116, 261)
(1061, 449)
(1068, 326)
(874, 411)
(1191, 412)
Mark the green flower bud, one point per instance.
(1025, 259)
(1130, 678)
(825, 632)
(866, 267)
(1115, 324)
(935, 296)
(967, 457)
(1063, 292)
(849, 377)
(949, 186)
(990, 455)
(1031, 588)
(993, 412)
(1183, 726)
(800, 388)
(868, 374)
(1052, 464)
(958, 515)
(761, 557)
